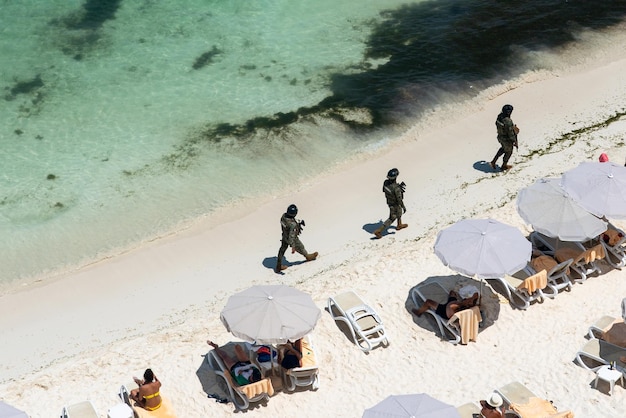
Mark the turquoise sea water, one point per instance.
(119, 120)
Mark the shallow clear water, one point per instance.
(121, 120)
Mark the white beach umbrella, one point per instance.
(270, 314)
(483, 248)
(8, 411)
(419, 405)
(600, 188)
(551, 211)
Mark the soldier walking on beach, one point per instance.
(507, 137)
(394, 193)
(291, 228)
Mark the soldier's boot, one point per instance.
(279, 267)
(311, 257)
(379, 232)
(401, 225)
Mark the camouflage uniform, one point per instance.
(507, 137)
(291, 228)
(394, 195)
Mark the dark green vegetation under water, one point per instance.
(437, 46)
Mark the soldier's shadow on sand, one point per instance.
(270, 262)
(485, 167)
(370, 228)
(489, 306)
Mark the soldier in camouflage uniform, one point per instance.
(394, 193)
(507, 137)
(291, 228)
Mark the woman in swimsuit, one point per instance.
(241, 369)
(147, 395)
(445, 310)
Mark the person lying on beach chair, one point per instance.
(241, 369)
(147, 395)
(454, 304)
(290, 354)
(492, 406)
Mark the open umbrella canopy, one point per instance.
(551, 211)
(270, 314)
(600, 188)
(7, 411)
(418, 405)
(483, 248)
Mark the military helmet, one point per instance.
(393, 173)
(292, 210)
(507, 109)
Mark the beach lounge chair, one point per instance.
(610, 329)
(363, 322)
(468, 410)
(241, 396)
(583, 259)
(306, 375)
(164, 411)
(614, 241)
(450, 329)
(524, 287)
(83, 409)
(523, 403)
(597, 353)
(558, 273)
(598, 328)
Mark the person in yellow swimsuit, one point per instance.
(147, 394)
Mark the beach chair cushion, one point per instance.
(535, 282)
(612, 237)
(540, 408)
(616, 333)
(467, 321)
(164, 411)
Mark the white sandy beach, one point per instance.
(84, 333)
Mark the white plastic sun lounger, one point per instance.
(616, 253)
(83, 409)
(365, 325)
(597, 353)
(468, 410)
(558, 276)
(308, 374)
(597, 328)
(436, 292)
(239, 396)
(582, 264)
(519, 297)
(515, 396)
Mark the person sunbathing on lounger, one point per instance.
(147, 394)
(241, 369)
(492, 406)
(290, 354)
(445, 310)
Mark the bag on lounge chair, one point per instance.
(264, 354)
